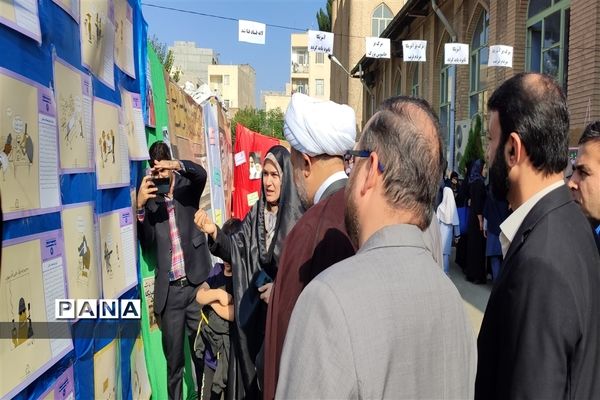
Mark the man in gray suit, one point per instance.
(386, 323)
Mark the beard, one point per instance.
(351, 216)
(498, 175)
(301, 189)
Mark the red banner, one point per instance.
(249, 152)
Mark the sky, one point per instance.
(270, 61)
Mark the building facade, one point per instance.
(234, 84)
(192, 62)
(352, 21)
(309, 74)
(556, 37)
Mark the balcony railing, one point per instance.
(299, 68)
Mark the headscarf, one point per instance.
(475, 173)
(315, 127)
(446, 211)
(249, 256)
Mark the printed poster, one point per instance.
(124, 37)
(71, 7)
(81, 253)
(117, 253)
(140, 384)
(112, 154)
(32, 278)
(150, 113)
(73, 93)
(28, 148)
(97, 34)
(63, 388)
(149, 296)
(22, 16)
(133, 122)
(105, 369)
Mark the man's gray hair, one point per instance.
(411, 157)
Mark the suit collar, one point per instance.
(551, 201)
(399, 235)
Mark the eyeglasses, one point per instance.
(351, 154)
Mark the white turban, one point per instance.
(316, 127)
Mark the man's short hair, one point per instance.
(591, 133)
(159, 151)
(534, 106)
(412, 161)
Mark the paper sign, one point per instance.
(240, 158)
(251, 32)
(252, 198)
(414, 50)
(219, 216)
(500, 56)
(320, 42)
(456, 53)
(378, 47)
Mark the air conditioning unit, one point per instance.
(461, 136)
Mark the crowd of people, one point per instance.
(335, 284)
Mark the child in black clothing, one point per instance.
(212, 339)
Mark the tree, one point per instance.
(165, 56)
(474, 148)
(324, 17)
(268, 123)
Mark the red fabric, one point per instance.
(247, 141)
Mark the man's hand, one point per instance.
(265, 291)
(224, 298)
(205, 224)
(147, 191)
(165, 165)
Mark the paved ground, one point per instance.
(474, 296)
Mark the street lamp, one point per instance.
(360, 76)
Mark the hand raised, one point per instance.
(147, 191)
(204, 223)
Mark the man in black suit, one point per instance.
(585, 181)
(166, 224)
(540, 333)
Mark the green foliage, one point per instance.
(324, 17)
(268, 123)
(474, 149)
(165, 56)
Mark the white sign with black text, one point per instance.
(377, 47)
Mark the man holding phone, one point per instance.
(167, 200)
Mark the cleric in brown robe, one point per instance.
(320, 133)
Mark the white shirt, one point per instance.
(338, 176)
(512, 224)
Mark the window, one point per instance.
(478, 66)
(226, 80)
(320, 58)
(226, 102)
(446, 75)
(300, 55)
(319, 87)
(380, 19)
(548, 38)
(415, 82)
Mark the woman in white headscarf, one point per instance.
(447, 215)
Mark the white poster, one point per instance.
(22, 16)
(377, 47)
(456, 53)
(414, 50)
(500, 56)
(320, 42)
(252, 32)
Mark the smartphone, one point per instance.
(262, 279)
(162, 184)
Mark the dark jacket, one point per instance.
(154, 232)
(540, 333)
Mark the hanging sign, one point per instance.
(252, 32)
(377, 47)
(500, 56)
(456, 53)
(414, 50)
(320, 42)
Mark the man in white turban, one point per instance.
(320, 133)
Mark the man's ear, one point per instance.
(373, 171)
(514, 149)
(306, 165)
